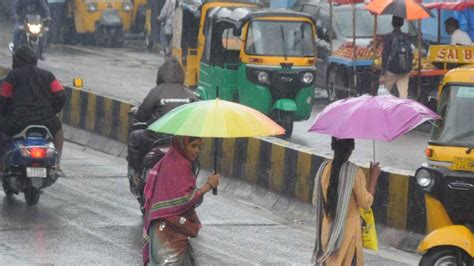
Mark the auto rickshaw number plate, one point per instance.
(463, 163)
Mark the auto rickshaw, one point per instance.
(105, 21)
(189, 33)
(262, 58)
(448, 176)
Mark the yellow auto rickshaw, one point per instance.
(102, 21)
(189, 33)
(448, 176)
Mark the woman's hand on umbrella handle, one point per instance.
(213, 181)
(374, 170)
(374, 176)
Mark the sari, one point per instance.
(170, 218)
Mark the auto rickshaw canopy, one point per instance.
(455, 106)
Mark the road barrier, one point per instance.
(289, 169)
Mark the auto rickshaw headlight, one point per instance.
(307, 78)
(424, 178)
(262, 77)
(92, 7)
(127, 6)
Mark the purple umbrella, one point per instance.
(371, 117)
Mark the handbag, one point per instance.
(187, 223)
(369, 233)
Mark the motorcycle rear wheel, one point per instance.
(32, 195)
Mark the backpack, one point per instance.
(400, 59)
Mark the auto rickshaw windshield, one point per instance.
(457, 124)
(364, 23)
(280, 38)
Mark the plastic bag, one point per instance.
(369, 234)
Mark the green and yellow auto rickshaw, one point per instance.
(105, 21)
(190, 22)
(448, 176)
(261, 58)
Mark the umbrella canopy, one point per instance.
(371, 117)
(408, 9)
(455, 6)
(216, 119)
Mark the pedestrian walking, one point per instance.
(340, 189)
(166, 19)
(171, 197)
(397, 59)
(58, 11)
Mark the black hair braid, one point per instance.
(342, 149)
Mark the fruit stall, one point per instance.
(356, 62)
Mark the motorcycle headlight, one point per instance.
(34, 28)
(92, 7)
(307, 78)
(262, 77)
(127, 6)
(424, 178)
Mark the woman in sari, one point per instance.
(171, 196)
(340, 189)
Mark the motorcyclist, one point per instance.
(169, 93)
(21, 8)
(30, 96)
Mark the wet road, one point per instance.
(90, 218)
(128, 73)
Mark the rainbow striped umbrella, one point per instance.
(216, 119)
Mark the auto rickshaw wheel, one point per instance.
(445, 256)
(148, 40)
(117, 39)
(285, 120)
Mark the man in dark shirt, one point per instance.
(388, 78)
(169, 93)
(30, 96)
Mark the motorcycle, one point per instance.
(34, 30)
(153, 156)
(30, 163)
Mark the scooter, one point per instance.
(30, 163)
(154, 155)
